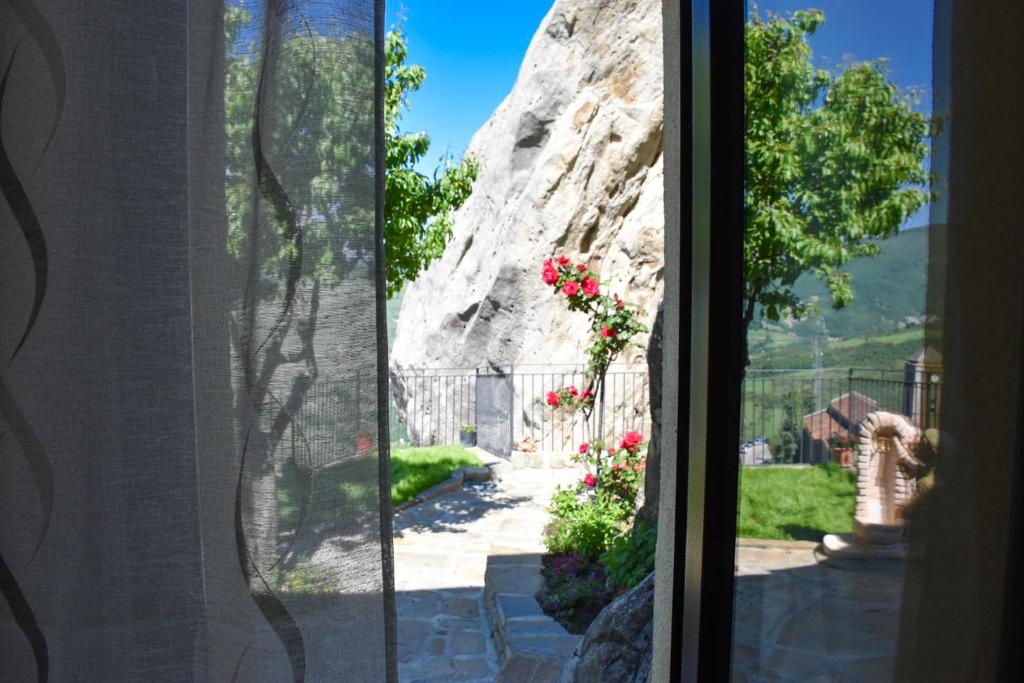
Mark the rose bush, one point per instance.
(589, 516)
(614, 323)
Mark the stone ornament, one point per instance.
(888, 469)
(886, 476)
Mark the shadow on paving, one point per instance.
(833, 620)
(453, 512)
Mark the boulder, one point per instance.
(618, 645)
(571, 164)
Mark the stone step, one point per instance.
(531, 645)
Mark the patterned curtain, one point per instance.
(193, 468)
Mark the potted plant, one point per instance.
(841, 446)
(467, 435)
(364, 441)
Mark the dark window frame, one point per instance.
(704, 154)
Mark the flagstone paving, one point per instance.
(796, 618)
(441, 550)
(800, 617)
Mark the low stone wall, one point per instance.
(542, 459)
(531, 645)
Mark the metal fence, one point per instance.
(788, 416)
(336, 420)
(811, 416)
(433, 404)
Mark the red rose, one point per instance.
(581, 267)
(607, 332)
(563, 261)
(584, 447)
(553, 399)
(550, 275)
(574, 391)
(590, 480)
(590, 287)
(611, 450)
(619, 303)
(631, 440)
(570, 288)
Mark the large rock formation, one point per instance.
(570, 164)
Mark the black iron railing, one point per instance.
(811, 416)
(433, 404)
(788, 416)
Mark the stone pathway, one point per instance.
(441, 550)
(796, 618)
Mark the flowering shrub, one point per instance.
(574, 582)
(585, 525)
(588, 517)
(570, 398)
(614, 322)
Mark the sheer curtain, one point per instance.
(192, 473)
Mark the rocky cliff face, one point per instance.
(570, 164)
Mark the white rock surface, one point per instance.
(570, 164)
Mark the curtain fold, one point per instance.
(190, 458)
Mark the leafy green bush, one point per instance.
(587, 517)
(585, 525)
(630, 557)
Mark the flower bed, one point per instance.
(575, 590)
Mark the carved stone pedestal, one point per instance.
(885, 487)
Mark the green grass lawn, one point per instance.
(414, 470)
(796, 503)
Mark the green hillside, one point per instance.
(873, 331)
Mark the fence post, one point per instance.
(511, 407)
(849, 406)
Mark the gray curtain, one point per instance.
(193, 480)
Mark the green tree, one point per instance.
(834, 163)
(298, 131)
(299, 128)
(786, 444)
(417, 209)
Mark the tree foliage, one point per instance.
(834, 162)
(321, 151)
(417, 209)
(785, 446)
(317, 137)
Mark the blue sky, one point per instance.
(899, 30)
(472, 51)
